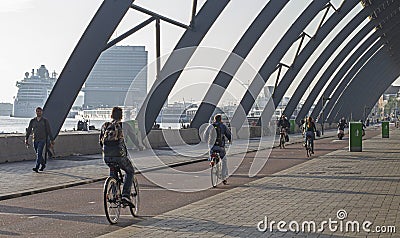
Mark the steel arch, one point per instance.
(326, 54)
(307, 51)
(349, 73)
(332, 67)
(88, 50)
(360, 57)
(364, 90)
(359, 90)
(174, 65)
(273, 59)
(231, 65)
(349, 76)
(336, 79)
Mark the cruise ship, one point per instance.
(33, 91)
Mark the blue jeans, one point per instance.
(221, 151)
(311, 135)
(126, 165)
(39, 146)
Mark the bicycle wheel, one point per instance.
(219, 169)
(214, 174)
(112, 202)
(308, 148)
(135, 198)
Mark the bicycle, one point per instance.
(308, 146)
(282, 138)
(113, 198)
(216, 168)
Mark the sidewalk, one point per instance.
(76, 170)
(346, 187)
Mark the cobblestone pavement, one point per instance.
(343, 188)
(18, 178)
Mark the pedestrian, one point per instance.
(115, 152)
(40, 128)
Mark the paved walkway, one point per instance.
(75, 170)
(338, 190)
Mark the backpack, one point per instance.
(111, 134)
(218, 140)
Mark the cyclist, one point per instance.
(216, 139)
(114, 151)
(342, 124)
(284, 123)
(309, 129)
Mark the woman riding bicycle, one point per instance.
(309, 130)
(284, 125)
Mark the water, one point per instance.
(18, 125)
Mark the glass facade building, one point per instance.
(118, 69)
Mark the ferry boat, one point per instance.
(33, 92)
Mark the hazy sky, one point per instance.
(36, 32)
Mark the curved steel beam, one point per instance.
(88, 50)
(367, 88)
(378, 93)
(349, 76)
(334, 65)
(307, 51)
(367, 100)
(235, 60)
(173, 67)
(273, 59)
(380, 71)
(362, 92)
(340, 74)
(327, 53)
(344, 75)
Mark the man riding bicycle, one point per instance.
(309, 130)
(216, 139)
(115, 152)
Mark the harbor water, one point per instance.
(18, 125)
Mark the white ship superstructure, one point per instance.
(33, 92)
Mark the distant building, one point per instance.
(392, 91)
(33, 91)
(111, 78)
(6, 109)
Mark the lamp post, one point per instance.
(324, 99)
(366, 108)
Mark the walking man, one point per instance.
(41, 133)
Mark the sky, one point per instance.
(36, 32)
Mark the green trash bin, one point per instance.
(292, 125)
(355, 133)
(385, 129)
